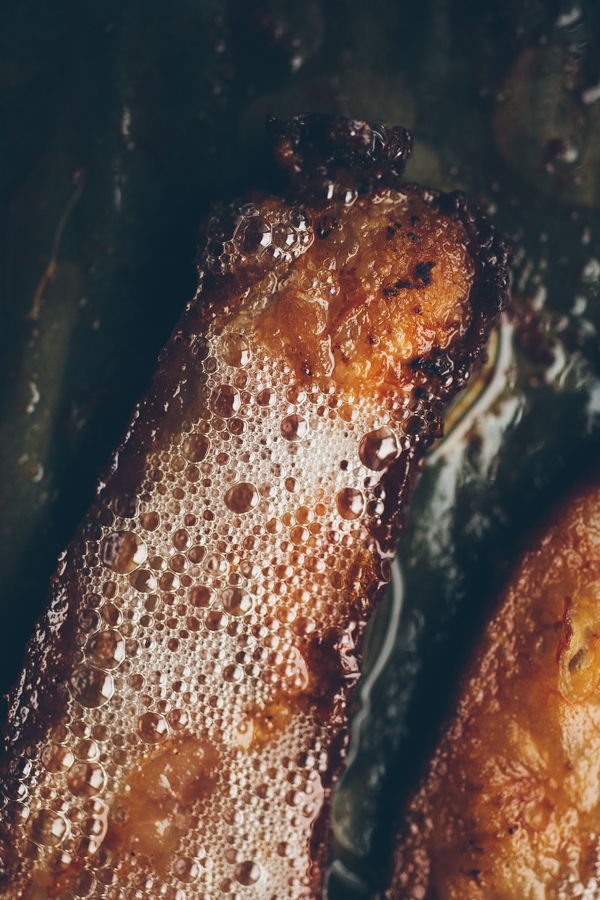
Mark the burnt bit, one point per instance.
(333, 664)
(404, 285)
(413, 237)
(438, 364)
(492, 256)
(423, 272)
(329, 147)
(326, 226)
(396, 226)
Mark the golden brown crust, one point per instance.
(509, 807)
(213, 600)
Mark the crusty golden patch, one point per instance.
(386, 282)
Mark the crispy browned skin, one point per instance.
(510, 807)
(182, 711)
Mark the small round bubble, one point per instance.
(350, 503)
(242, 497)
(91, 687)
(378, 449)
(235, 350)
(123, 551)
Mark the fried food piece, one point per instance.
(510, 805)
(182, 711)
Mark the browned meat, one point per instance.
(509, 808)
(182, 710)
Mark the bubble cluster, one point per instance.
(190, 738)
(238, 236)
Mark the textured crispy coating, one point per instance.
(510, 805)
(182, 711)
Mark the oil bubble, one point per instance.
(168, 581)
(178, 563)
(299, 218)
(350, 503)
(236, 426)
(197, 554)
(348, 413)
(378, 449)
(195, 447)
(86, 779)
(200, 596)
(47, 828)
(111, 614)
(295, 394)
(299, 534)
(248, 872)
(236, 601)
(143, 581)
(215, 564)
(233, 673)
(294, 428)
(178, 718)
(284, 236)
(235, 350)
(123, 551)
(256, 235)
(83, 883)
(216, 621)
(150, 521)
(181, 539)
(152, 728)
(414, 425)
(106, 649)
(266, 397)
(242, 497)
(186, 869)
(225, 401)
(91, 687)
(56, 758)
(86, 749)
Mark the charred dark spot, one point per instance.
(414, 220)
(423, 272)
(413, 237)
(390, 291)
(326, 226)
(403, 285)
(417, 311)
(344, 465)
(372, 340)
(436, 365)
(391, 231)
